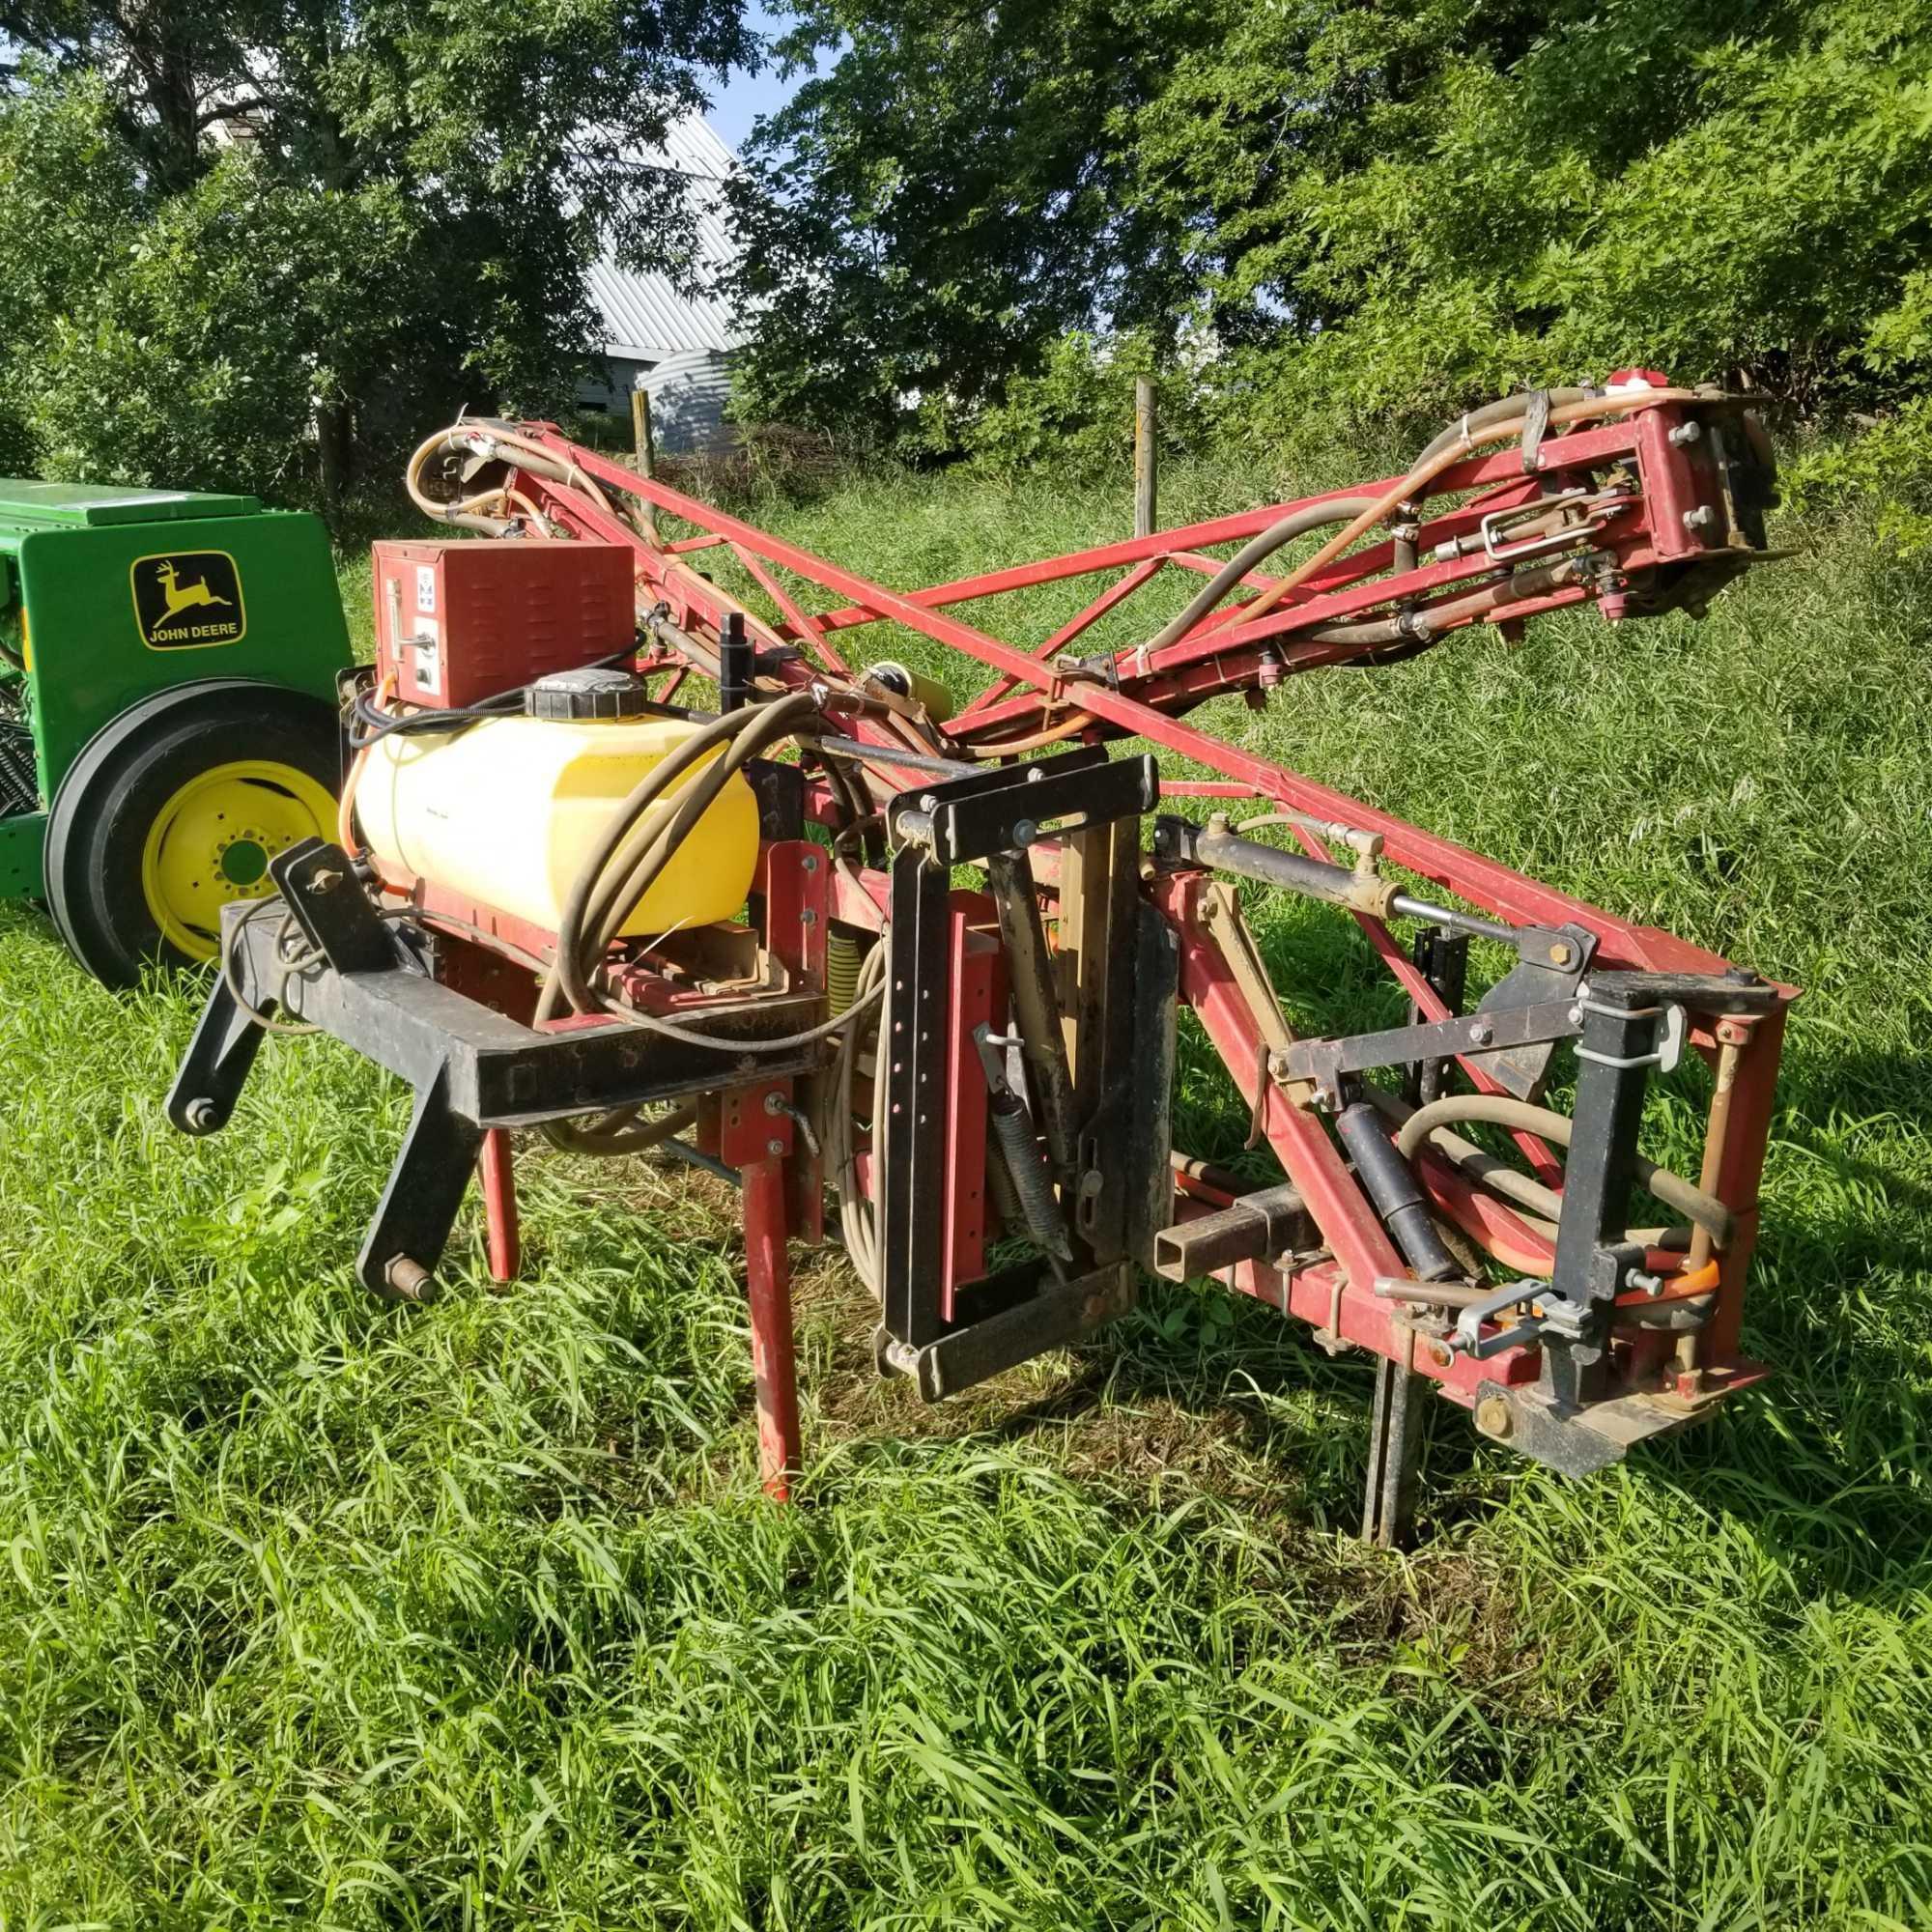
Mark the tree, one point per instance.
(1366, 213)
(949, 198)
(223, 223)
(1729, 188)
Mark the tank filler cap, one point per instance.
(596, 692)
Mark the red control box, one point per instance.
(458, 622)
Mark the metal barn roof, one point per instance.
(648, 317)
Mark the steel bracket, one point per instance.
(1008, 807)
(1034, 1319)
(1324, 1061)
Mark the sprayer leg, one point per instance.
(1395, 1444)
(768, 1283)
(500, 1204)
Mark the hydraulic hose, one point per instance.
(1463, 443)
(857, 1219)
(565, 980)
(1252, 553)
(1069, 727)
(1423, 627)
(623, 888)
(1701, 1209)
(1499, 411)
(524, 453)
(1495, 422)
(470, 511)
(1536, 1206)
(618, 1132)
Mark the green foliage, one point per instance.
(316, 1612)
(1076, 417)
(1374, 215)
(199, 349)
(1723, 191)
(264, 248)
(1887, 467)
(927, 216)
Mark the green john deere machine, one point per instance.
(167, 709)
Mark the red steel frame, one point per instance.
(1644, 539)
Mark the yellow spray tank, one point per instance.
(506, 811)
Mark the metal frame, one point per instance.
(1560, 1366)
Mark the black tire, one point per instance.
(129, 773)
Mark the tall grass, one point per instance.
(315, 1612)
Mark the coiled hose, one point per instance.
(858, 1222)
(640, 841)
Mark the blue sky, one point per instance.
(744, 97)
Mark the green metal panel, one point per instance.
(21, 839)
(27, 505)
(118, 610)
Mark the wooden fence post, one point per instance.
(1146, 458)
(647, 455)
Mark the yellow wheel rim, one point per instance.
(213, 840)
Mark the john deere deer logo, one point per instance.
(188, 600)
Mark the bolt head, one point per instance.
(774, 1146)
(324, 879)
(1025, 832)
(1562, 953)
(202, 1116)
(1493, 1417)
(1481, 1033)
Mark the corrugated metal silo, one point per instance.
(688, 393)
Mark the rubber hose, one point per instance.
(569, 977)
(642, 796)
(614, 903)
(645, 851)
(1071, 725)
(1701, 1209)
(606, 1140)
(1025, 1162)
(1256, 551)
(1412, 487)
(1426, 626)
(857, 1222)
(1536, 1206)
(697, 776)
(641, 858)
(1499, 411)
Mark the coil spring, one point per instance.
(841, 970)
(1026, 1165)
